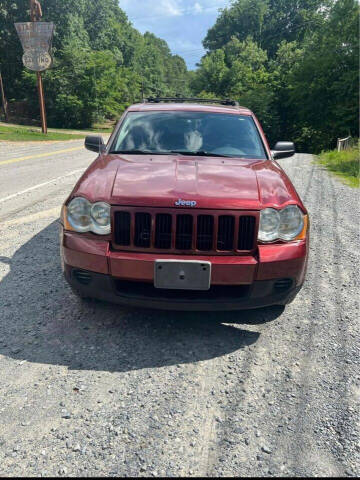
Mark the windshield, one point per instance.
(189, 133)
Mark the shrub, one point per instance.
(345, 164)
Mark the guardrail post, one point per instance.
(343, 143)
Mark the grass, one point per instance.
(105, 127)
(21, 133)
(344, 164)
(26, 134)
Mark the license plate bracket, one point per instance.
(182, 274)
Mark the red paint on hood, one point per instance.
(159, 181)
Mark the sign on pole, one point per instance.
(36, 60)
(36, 39)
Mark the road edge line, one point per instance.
(40, 185)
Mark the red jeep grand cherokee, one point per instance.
(186, 209)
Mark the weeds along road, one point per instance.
(95, 389)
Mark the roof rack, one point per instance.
(232, 103)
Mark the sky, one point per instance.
(182, 23)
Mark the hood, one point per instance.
(161, 181)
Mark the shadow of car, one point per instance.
(42, 321)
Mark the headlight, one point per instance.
(100, 214)
(82, 216)
(291, 222)
(78, 214)
(286, 224)
(269, 225)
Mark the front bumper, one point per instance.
(237, 282)
(220, 298)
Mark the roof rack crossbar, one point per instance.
(229, 102)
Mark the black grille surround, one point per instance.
(163, 230)
(122, 228)
(184, 231)
(142, 230)
(225, 238)
(205, 232)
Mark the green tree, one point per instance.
(324, 84)
(268, 22)
(102, 63)
(239, 71)
(242, 19)
(295, 64)
(212, 74)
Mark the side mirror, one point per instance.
(95, 143)
(283, 150)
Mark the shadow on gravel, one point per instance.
(42, 321)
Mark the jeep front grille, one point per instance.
(246, 232)
(142, 230)
(225, 239)
(163, 230)
(184, 232)
(122, 228)
(153, 230)
(205, 232)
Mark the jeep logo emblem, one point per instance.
(185, 203)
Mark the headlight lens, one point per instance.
(286, 224)
(83, 216)
(269, 225)
(100, 214)
(79, 214)
(291, 222)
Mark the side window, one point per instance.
(124, 129)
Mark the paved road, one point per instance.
(95, 389)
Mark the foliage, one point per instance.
(295, 64)
(266, 21)
(345, 164)
(102, 64)
(324, 85)
(239, 70)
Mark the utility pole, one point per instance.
(3, 99)
(41, 102)
(35, 14)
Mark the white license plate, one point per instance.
(182, 275)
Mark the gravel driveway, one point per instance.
(95, 389)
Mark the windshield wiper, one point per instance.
(139, 152)
(200, 153)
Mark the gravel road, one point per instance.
(96, 389)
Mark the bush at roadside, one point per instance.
(345, 164)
